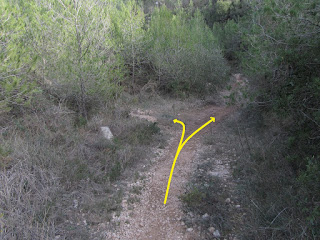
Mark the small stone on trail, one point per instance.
(102, 225)
(106, 132)
(75, 203)
(237, 206)
(216, 233)
(189, 229)
(206, 215)
(211, 229)
(228, 200)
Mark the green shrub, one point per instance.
(229, 37)
(115, 171)
(184, 52)
(280, 52)
(17, 85)
(193, 198)
(140, 134)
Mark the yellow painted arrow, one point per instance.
(181, 145)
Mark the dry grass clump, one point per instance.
(58, 176)
(267, 184)
(27, 192)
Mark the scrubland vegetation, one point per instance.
(69, 67)
(276, 44)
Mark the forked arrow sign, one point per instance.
(181, 145)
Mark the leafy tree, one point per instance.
(85, 66)
(281, 48)
(16, 57)
(184, 52)
(129, 22)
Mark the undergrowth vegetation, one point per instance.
(185, 52)
(276, 200)
(48, 164)
(276, 43)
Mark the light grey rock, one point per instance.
(206, 215)
(216, 233)
(211, 229)
(106, 132)
(189, 229)
(228, 200)
(75, 203)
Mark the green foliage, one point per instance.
(222, 11)
(223, 6)
(17, 59)
(309, 180)
(5, 151)
(229, 37)
(184, 52)
(80, 121)
(141, 134)
(128, 27)
(115, 172)
(193, 198)
(84, 66)
(283, 49)
(280, 48)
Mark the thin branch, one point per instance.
(310, 118)
(277, 216)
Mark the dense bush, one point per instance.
(79, 59)
(277, 44)
(16, 58)
(279, 49)
(184, 52)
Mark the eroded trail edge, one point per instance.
(150, 218)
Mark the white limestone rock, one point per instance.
(106, 132)
(216, 233)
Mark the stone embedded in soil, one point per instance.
(216, 233)
(211, 229)
(75, 203)
(106, 132)
(206, 215)
(189, 229)
(228, 200)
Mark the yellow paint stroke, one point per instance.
(181, 145)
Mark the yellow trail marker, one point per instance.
(181, 145)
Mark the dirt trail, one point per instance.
(151, 219)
